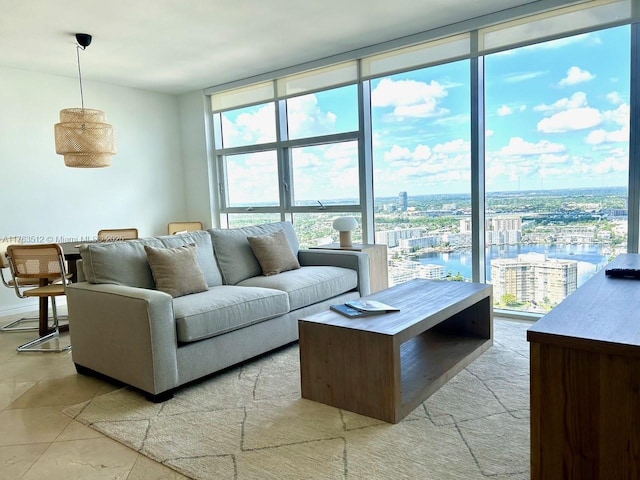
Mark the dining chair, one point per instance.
(22, 324)
(117, 234)
(181, 227)
(42, 263)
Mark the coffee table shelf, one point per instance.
(384, 366)
(429, 360)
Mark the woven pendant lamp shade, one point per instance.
(84, 138)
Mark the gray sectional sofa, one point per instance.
(121, 326)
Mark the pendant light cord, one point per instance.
(78, 47)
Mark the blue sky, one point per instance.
(557, 116)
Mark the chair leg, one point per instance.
(35, 345)
(17, 325)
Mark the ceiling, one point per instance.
(177, 46)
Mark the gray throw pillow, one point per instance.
(274, 253)
(176, 270)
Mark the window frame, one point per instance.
(475, 29)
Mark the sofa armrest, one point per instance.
(357, 261)
(125, 333)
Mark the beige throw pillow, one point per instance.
(274, 253)
(176, 270)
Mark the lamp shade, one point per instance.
(345, 224)
(84, 138)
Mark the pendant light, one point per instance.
(83, 136)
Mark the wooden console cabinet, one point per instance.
(585, 382)
(378, 262)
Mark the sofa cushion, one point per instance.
(308, 285)
(274, 253)
(125, 263)
(205, 257)
(176, 270)
(225, 308)
(122, 263)
(233, 252)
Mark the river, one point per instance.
(589, 257)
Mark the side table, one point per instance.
(378, 262)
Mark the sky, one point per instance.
(556, 116)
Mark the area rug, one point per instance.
(251, 423)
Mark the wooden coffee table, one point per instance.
(384, 366)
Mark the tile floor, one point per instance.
(37, 440)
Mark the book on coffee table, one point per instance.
(363, 308)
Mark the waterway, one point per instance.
(590, 258)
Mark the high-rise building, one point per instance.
(403, 201)
(533, 277)
(403, 271)
(392, 238)
(500, 230)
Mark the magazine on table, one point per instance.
(363, 308)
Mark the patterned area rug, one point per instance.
(250, 423)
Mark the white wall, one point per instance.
(43, 200)
(199, 196)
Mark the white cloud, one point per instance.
(576, 75)
(547, 159)
(620, 115)
(600, 136)
(570, 120)
(422, 153)
(405, 92)
(523, 77)
(439, 166)
(504, 110)
(519, 147)
(253, 178)
(615, 98)
(256, 126)
(335, 164)
(397, 153)
(306, 118)
(610, 165)
(410, 98)
(454, 146)
(577, 100)
(427, 109)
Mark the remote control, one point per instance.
(623, 272)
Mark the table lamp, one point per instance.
(345, 225)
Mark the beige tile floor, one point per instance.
(37, 440)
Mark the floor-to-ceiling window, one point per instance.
(322, 159)
(557, 147)
(295, 157)
(388, 138)
(421, 171)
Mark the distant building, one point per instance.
(534, 278)
(421, 242)
(403, 201)
(400, 272)
(392, 238)
(500, 230)
(457, 240)
(389, 207)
